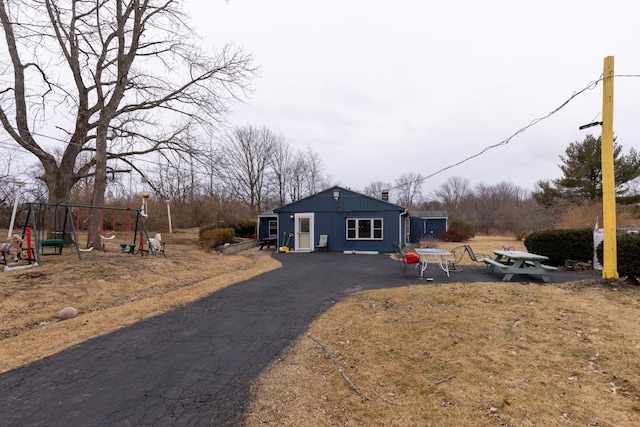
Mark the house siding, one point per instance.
(425, 226)
(263, 225)
(330, 218)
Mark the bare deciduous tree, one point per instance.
(376, 188)
(306, 175)
(116, 78)
(281, 165)
(452, 193)
(246, 154)
(409, 187)
(489, 199)
(175, 179)
(520, 217)
(297, 182)
(314, 171)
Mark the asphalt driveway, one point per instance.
(193, 366)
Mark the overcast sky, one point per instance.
(382, 88)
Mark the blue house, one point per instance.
(352, 222)
(425, 225)
(267, 225)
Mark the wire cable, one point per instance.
(592, 85)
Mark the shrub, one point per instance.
(468, 227)
(206, 228)
(560, 245)
(245, 228)
(241, 228)
(628, 254)
(458, 231)
(210, 238)
(455, 234)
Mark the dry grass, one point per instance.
(110, 290)
(584, 216)
(464, 354)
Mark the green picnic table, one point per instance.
(519, 262)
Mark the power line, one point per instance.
(592, 85)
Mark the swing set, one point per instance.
(51, 223)
(104, 236)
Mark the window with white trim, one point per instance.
(273, 227)
(364, 229)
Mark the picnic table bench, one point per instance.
(495, 264)
(518, 262)
(268, 242)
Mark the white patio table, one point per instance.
(438, 255)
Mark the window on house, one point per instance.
(364, 229)
(273, 227)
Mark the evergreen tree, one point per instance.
(582, 173)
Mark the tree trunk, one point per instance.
(59, 181)
(99, 188)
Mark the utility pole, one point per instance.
(610, 255)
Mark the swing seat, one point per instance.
(50, 247)
(127, 248)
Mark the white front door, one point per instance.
(304, 232)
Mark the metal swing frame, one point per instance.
(36, 215)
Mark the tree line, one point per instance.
(251, 169)
(251, 165)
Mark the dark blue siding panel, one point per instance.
(330, 218)
(427, 228)
(335, 226)
(285, 226)
(263, 226)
